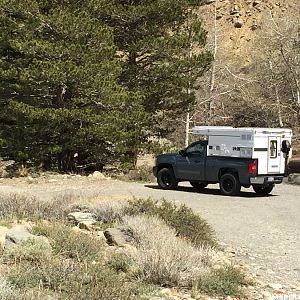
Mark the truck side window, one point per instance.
(273, 149)
(196, 149)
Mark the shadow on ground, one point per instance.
(208, 191)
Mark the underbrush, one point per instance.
(22, 207)
(172, 246)
(142, 173)
(164, 258)
(226, 281)
(184, 220)
(76, 268)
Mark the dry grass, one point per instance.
(22, 207)
(164, 258)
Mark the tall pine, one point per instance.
(60, 102)
(161, 46)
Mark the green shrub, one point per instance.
(187, 224)
(223, 282)
(70, 279)
(29, 250)
(69, 243)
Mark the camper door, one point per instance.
(274, 155)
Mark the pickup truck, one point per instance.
(192, 164)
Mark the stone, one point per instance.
(98, 175)
(79, 217)
(238, 23)
(117, 236)
(275, 286)
(87, 224)
(294, 178)
(209, 1)
(256, 2)
(3, 231)
(21, 233)
(166, 292)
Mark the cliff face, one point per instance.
(242, 26)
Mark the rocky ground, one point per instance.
(261, 234)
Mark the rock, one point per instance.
(5, 165)
(98, 175)
(117, 236)
(80, 217)
(256, 2)
(209, 1)
(294, 178)
(275, 286)
(165, 292)
(156, 298)
(21, 233)
(87, 224)
(3, 231)
(238, 23)
(267, 296)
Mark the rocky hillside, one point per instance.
(243, 24)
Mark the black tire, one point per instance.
(166, 179)
(263, 190)
(230, 184)
(198, 185)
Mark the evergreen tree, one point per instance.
(59, 95)
(160, 43)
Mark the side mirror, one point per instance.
(285, 146)
(182, 153)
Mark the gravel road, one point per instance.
(263, 231)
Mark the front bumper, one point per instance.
(154, 171)
(266, 179)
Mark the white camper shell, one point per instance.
(263, 144)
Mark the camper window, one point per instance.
(273, 149)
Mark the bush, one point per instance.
(29, 250)
(72, 280)
(69, 243)
(164, 258)
(223, 282)
(110, 211)
(142, 173)
(16, 206)
(187, 224)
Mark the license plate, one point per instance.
(271, 178)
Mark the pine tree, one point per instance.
(161, 44)
(59, 97)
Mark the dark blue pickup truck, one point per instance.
(192, 164)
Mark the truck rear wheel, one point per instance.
(198, 185)
(230, 184)
(166, 179)
(263, 190)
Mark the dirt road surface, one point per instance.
(263, 231)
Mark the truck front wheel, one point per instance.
(263, 190)
(230, 184)
(166, 179)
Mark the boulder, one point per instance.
(98, 175)
(294, 179)
(79, 217)
(238, 23)
(21, 233)
(118, 236)
(86, 224)
(5, 166)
